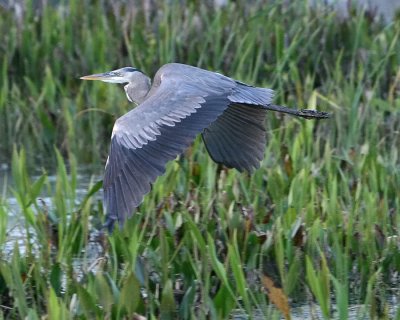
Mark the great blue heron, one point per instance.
(182, 102)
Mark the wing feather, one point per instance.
(158, 130)
(237, 138)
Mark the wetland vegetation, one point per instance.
(321, 217)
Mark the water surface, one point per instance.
(16, 229)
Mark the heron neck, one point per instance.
(137, 91)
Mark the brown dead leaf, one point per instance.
(261, 237)
(270, 212)
(288, 165)
(380, 236)
(196, 170)
(277, 296)
(248, 214)
(298, 234)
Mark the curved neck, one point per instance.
(136, 91)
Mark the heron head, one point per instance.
(122, 75)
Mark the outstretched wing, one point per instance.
(182, 102)
(237, 138)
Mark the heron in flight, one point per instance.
(182, 102)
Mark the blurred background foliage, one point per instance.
(321, 216)
(348, 66)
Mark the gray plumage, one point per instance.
(182, 102)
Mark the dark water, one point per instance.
(313, 311)
(16, 229)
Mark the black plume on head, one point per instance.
(131, 69)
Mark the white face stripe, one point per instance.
(115, 80)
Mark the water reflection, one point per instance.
(313, 311)
(16, 228)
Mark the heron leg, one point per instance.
(303, 113)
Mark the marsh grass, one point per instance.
(323, 210)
